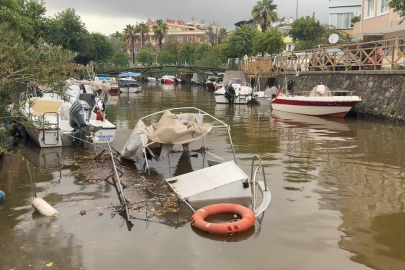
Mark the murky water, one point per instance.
(337, 185)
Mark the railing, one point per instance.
(166, 60)
(348, 57)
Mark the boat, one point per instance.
(235, 89)
(169, 79)
(219, 83)
(218, 180)
(210, 82)
(151, 79)
(113, 84)
(130, 87)
(266, 97)
(62, 120)
(320, 101)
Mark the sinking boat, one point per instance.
(222, 181)
(235, 89)
(320, 101)
(61, 120)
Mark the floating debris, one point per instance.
(2, 196)
(44, 208)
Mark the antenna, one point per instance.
(333, 38)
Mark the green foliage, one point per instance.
(160, 29)
(117, 43)
(150, 47)
(264, 14)
(355, 19)
(270, 42)
(119, 59)
(301, 45)
(67, 30)
(145, 56)
(344, 37)
(27, 64)
(172, 45)
(100, 47)
(189, 48)
(239, 42)
(398, 6)
(128, 36)
(25, 16)
(202, 50)
(306, 28)
(141, 31)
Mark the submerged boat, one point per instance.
(235, 89)
(218, 181)
(130, 87)
(77, 116)
(320, 101)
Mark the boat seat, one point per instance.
(39, 107)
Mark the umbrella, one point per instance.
(131, 74)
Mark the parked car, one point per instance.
(335, 56)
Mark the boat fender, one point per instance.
(2, 196)
(245, 223)
(44, 208)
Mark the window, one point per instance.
(174, 28)
(136, 40)
(388, 49)
(370, 4)
(136, 50)
(341, 20)
(401, 45)
(184, 29)
(180, 39)
(190, 39)
(288, 47)
(382, 7)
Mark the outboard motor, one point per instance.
(79, 120)
(230, 94)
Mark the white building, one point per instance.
(342, 11)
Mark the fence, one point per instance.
(347, 57)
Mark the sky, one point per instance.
(106, 16)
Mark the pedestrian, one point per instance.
(376, 61)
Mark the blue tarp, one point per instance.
(131, 74)
(104, 78)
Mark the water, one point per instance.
(337, 187)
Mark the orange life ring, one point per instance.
(247, 221)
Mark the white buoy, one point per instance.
(44, 208)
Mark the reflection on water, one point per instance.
(337, 186)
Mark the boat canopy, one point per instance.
(130, 74)
(231, 75)
(320, 91)
(171, 129)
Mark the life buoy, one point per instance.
(247, 221)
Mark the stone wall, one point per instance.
(382, 92)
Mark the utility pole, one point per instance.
(141, 36)
(296, 11)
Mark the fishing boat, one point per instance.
(235, 89)
(218, 180)
(320, 101)
(62, 120)
(130, 87)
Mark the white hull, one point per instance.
(241, 99)
(130, 89)
(311, 110)
(151, 79)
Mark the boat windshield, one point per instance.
(236, 81)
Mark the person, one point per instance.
(377, 61)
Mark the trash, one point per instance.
(2, 196)
(44, 208)
(82, 212)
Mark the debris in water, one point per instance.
(82, 212)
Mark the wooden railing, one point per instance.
(347, 57)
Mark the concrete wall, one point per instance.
(382, 92)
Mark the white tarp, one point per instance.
(171, 129)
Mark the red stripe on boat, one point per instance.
(316, 103)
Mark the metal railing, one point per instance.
(346, 57)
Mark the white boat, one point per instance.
(265, 98)
(210, 82)
(63, 120)
(151, 79)
(130, 87)
(235, 90)
(223, 182)
(320, 101)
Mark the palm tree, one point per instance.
(141, 31)
(264, 14)
(160, 29)
(222, 34)
(129, 36)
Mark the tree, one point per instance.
(100, 47)
(239, 42)
(160, 29)
(129, 36)
(307, 32)
(67, 30)
(222, 35)
(189, 48)
(270, 42)
(27, 64)
(141, 31)
(398, 6)
(145, 56)
(172, 45)
(202, 50)
(264, 14)
(119, 59)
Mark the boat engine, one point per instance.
(230, 94)
(79, 120)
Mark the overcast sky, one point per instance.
(106, 16)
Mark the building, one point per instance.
(341, 13)
(184, 32)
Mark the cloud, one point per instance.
(110, 16)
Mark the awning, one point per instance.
(130, 74)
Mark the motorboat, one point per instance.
(151, 79)
(235, 89)
(210, 82)
(266, 97)
(320, 101)
(218, 180)
(113, 84)
(130, 87)
(61, 120)
(219, 83)
(169, 79)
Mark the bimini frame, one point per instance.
(220, 125)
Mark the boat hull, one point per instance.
(130, 89)
(330, 108)
(241, 99)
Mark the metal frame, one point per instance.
(264, 190)
(222, 125)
